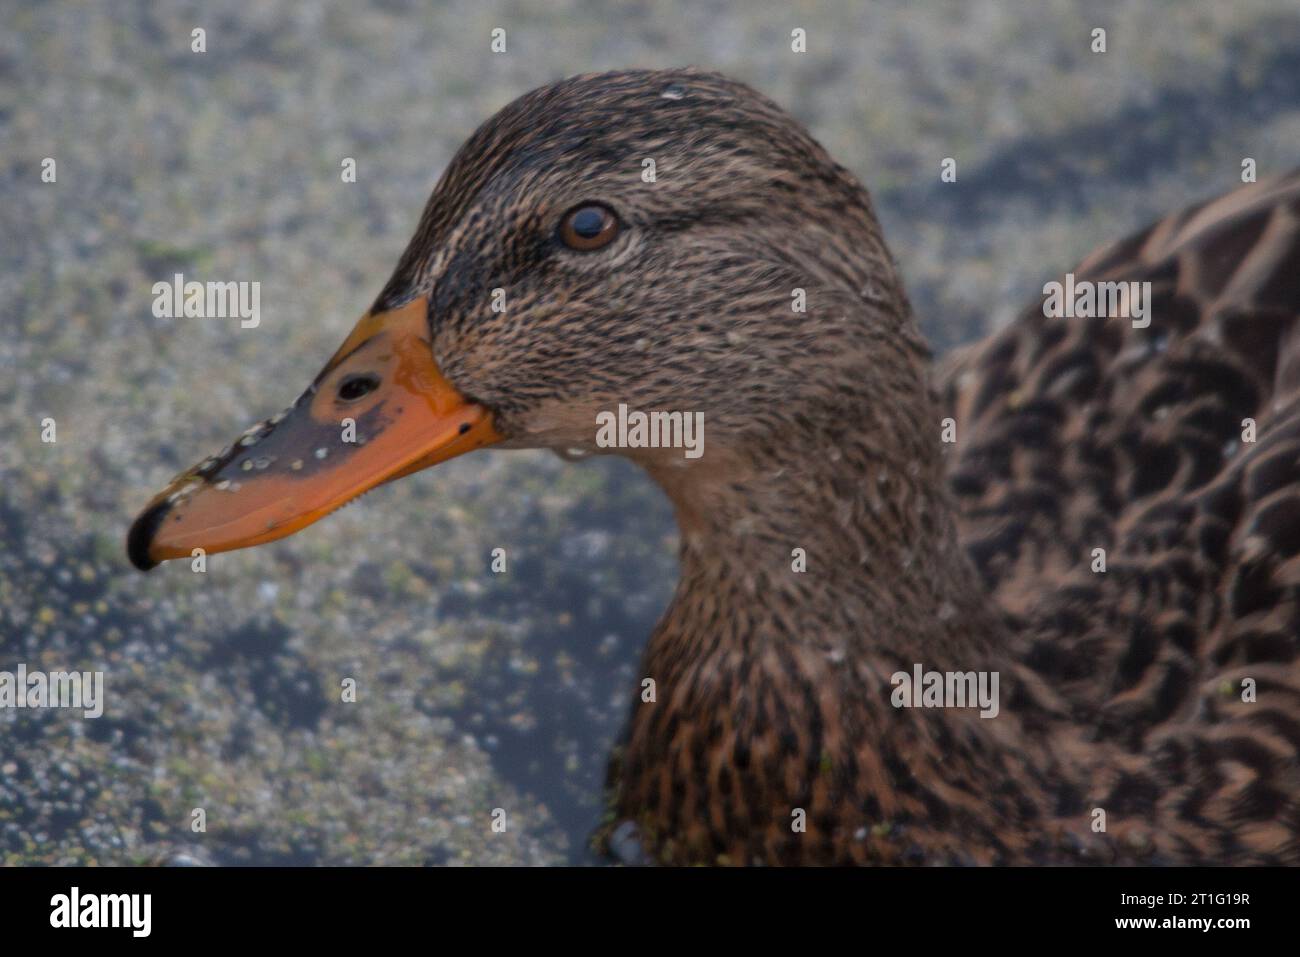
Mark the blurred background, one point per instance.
(475, 690)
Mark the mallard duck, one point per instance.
(1101, 516)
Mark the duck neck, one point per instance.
(813, 570)
(840, 537)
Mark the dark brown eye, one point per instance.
(587, 228)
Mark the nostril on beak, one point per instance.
(355, 386)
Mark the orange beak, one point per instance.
(379, 410)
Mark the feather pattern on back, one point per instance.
(1082, 434)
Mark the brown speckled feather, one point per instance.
(1077, 434)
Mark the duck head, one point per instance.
(670, 241)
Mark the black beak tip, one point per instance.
(141, 535)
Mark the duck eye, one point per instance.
(355, 386)
(587, 228)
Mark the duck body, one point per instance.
(831, 539)
(1125, 686)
